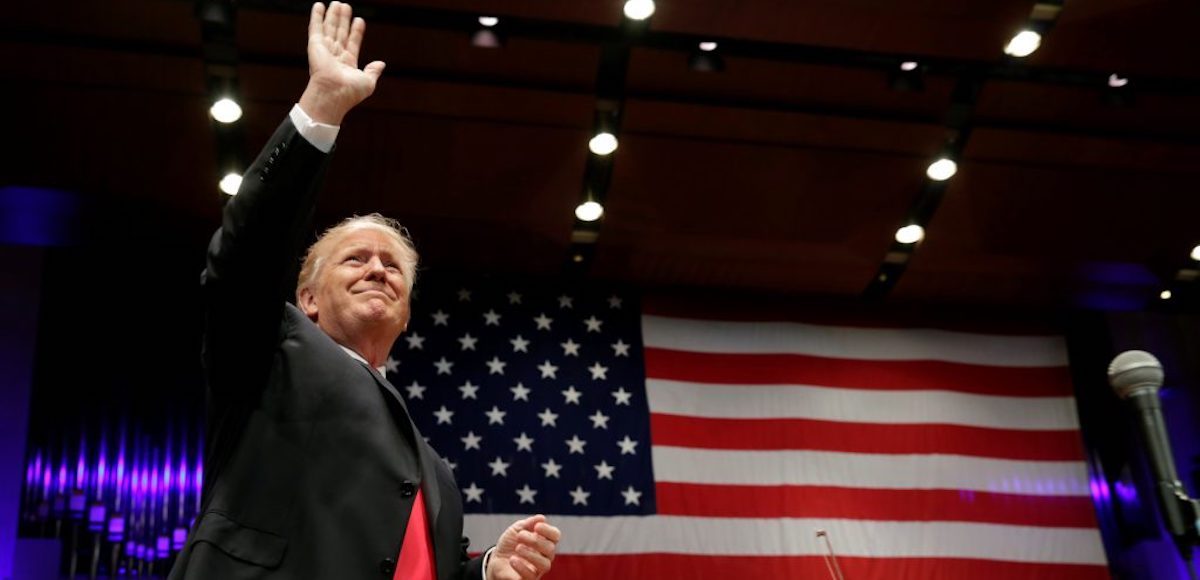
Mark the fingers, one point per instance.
(329, 26)
(357, 28)
(316, 19)
(343, 23)
(548, 531)
(523, 567)
(537, 542)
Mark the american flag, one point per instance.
(668, 446)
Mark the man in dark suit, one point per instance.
(314, 468)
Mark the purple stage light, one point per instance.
(178, 538)
(116, 527)
(96, 519)
(47, 482)
(1126, 493)
(162, 547)
(139, 551)
(62, 477)
(81, 470)
(77, 504)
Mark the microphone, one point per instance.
(831, 563)
(1136, 376)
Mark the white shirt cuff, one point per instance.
(487, 557)
(320, 135)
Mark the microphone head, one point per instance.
(1133, 371)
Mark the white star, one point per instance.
(474, 493)
(628, 446)
(543, 321)
(593, 323)
(520, 344)
(415, 391)
(620, 348)
(491, 318)
(392, 364)
(552, 468)
(495, 366)
(464, 295)
(632, 496)
(471, 441)
(514, 298)
(575, 444)
(495, 416)
(443, 366)
(572, 395)
(468, 342)
(622, 396)
(452, 465)
(604, 470)
(469, 390)
(565, 301)
(520, 392)
(570, 348)
(549, 371)
(614, 301)
(524, 442)
(599, 420)
(441, 318)
(499, 467)
(578, 496)
(549, 418)
(526, 494)
(443, 415)
(415, 341)
(598, 371)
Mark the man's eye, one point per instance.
(355, 259)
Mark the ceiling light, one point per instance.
(1117, 82)
(488, 21)
(231, 182)
(589, 211)
(225, 110)
(603, 143)
(942, 169)
(1023, 44)
(639, 9)
(1165, 294)
(910, 234)
(909, 65)
(1196, 253)
(708, 46)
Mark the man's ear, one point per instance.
(306, 299)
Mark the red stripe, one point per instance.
(688, 567)
(793, 369)
(909, 505)
(811, 434)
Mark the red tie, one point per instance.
(416, 555)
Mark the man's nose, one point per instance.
(375, 268)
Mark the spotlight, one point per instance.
(225, 110)
(589, 211)
(603, 143)
(1165, 294)
(488, 35)
(1116, 82)
(708, 46)
(910, 234)
(639, 9)
(1196, 253)
(488, 21)
(907, 77)
(942, 169)
(706, 58)
(909, 65)
(231, 182)
(1023, 44)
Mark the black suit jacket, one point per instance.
(312, 462)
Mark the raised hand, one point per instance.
(335, 83)
(524, 551)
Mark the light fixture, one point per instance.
(708, 46)
(907, 77)
(1023, 44)
(942, 169)
(1196, 253)
(1116, 82)
(909, 65)
(706, 59)
(589, 211)
(603, 143)
(488, 21)
(910, 234)
(225, 110)
(231, 182)
(1165, 294)
(488, 35)
(639, 9)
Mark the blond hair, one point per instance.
(314, 258)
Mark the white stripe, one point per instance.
(860, 406)
(865, 470)
(795, 537)
(853, 343)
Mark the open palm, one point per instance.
(334, 39)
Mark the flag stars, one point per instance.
(614, 301)
(526, 494)
(468, 390)
(593, 323)
(572, 395)
(551, 468)
(575, 445)
(524, 442)
(471, 441)
(519, 344)
(565, 301)
(543, 321)
(598, 371)
(599, 420)
(549, 418)
(620, 348)
(495, 416)
(578, 496)
(496, 366)
(622, 396)
(514, 297)
(491, 318)
(499, 467)
(604, 470)
(441, 318)
(443, 366)
(415, 341)
(392, 365)
(570, 348)
(628, 446)
(632, 496)
(467, 341)
(549, 371)
(520, 392)
(474, 493)
(443, 415)
(415, 391)
(450, 464)
(464, 295)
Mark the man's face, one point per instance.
(360, 286)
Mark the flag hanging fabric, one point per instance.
(676, 447)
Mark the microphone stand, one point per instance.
(831, 563)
